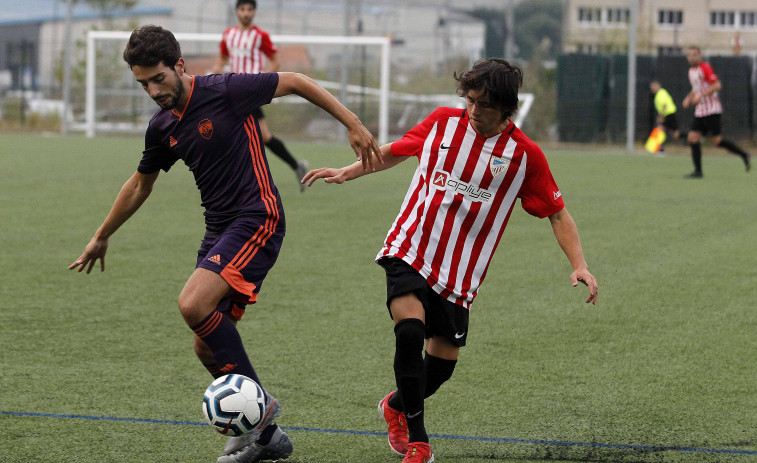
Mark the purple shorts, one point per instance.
(242, 254)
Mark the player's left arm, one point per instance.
(354, 170)
(566, 233)
(360, 138)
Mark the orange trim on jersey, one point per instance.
(191, 91)
(236, 312)
(258, 163)
(235, 279)
(251, 247)
(231, 273)
(209, 325)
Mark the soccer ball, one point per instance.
(234, 405)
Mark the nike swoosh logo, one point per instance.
(459, 335)
(446, 147)
(414, 415)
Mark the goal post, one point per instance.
(384, 43)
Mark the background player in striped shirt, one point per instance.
(707, 113)
(473, 165)
(207, 122)
(248, 49)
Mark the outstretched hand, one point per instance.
(328, 174)
(95, 250)
(588, 279)
(365, 147)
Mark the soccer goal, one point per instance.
(103, 46)
(355, 69)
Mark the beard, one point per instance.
(171, 99)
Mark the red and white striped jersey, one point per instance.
(246, 48)
(461, 197)
(701, 77)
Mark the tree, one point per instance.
(538, 28)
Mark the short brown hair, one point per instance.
(150, 45)
(498, 78)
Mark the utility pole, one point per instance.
(510, 31)
(631, 106)
(344, 62)
(64, 126)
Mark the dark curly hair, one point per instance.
(150, 45)
(498, 78)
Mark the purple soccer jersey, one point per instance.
(219, 140)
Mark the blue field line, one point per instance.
(645, 448)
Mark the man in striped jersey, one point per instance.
(474, 163)
(208, 123)
(707, 113)
(246, 48)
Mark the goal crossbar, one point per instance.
(384, 43)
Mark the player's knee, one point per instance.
(190, 309)
(410, 334)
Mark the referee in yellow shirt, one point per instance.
(666, 110)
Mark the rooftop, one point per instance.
(39, 11)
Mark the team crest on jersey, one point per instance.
(498, 165)
(206, 128)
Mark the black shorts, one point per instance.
(707, 125)
(443, 318)
(670, 122)
(257, 113)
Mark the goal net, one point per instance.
(355, 69)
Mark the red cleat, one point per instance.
(420, 452)
(397, 435)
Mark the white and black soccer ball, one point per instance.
(234, 405)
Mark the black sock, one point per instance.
(731, 146)
(438, 371)
(278, 148)
(696, 156)
(223, 340)
(410, 375)
(267, 434)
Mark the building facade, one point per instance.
(665, 27)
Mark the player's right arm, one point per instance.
(354, 170)
(132, 195)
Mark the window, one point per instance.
(669, 51)
(670, 17)
(725, 19)
(748, 19)
(603, 16)
(588, 48)
(590, 15)
(618, 15)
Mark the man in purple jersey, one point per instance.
(207, 122)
